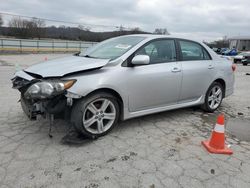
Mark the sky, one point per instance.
(199, 19)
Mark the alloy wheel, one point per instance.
(215, 97)
(99, 115)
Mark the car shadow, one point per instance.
(73, 138)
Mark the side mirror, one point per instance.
(140, 60)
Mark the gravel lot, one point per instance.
(161, 150)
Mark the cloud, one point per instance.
(201, 19)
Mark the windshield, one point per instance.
(112, 48)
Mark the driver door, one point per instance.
(157, 84)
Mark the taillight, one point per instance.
(233, 67)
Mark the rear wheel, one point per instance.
(96, 115)
(214, 97)
(244, 64)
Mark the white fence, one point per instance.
(36, 46)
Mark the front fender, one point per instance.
(90, 82)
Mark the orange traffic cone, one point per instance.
(216, 144)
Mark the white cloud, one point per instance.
(202, 19)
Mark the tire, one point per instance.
(244, 64)
(90, 117)
(211, 97)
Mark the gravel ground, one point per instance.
(161, 150)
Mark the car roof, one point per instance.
(149, 37)
(155, 36)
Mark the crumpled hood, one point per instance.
(62, 66)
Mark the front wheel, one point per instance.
(244, 64)
(95, 115)
(214, 97)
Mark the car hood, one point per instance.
(63, 66)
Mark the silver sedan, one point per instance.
(125, 77)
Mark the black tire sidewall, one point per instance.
(80, 106)
(206, 104)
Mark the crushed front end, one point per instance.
(43, 96)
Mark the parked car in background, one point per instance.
(222, 50)
(240, 56)
(126, 77)
(230, 52)
(219, 50)
(215, 49)
(246, 59)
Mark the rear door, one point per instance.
(197, 70)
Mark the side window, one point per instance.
(159, 51)
(206, 56)
(193, 51)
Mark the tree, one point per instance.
(18, 27)
(1, 20)
(223, 43)
(161, 31)
(121, 28)
(37, 26)
(62, 32)
(136, 29)
(84, 28)
(27, 28)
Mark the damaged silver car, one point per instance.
(125, 77)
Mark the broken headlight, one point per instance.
(47, 89)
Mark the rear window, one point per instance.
(193, 51)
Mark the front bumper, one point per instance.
(58, 105)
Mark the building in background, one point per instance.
(241, 43)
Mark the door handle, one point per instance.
(210, 66)
(176, 69)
